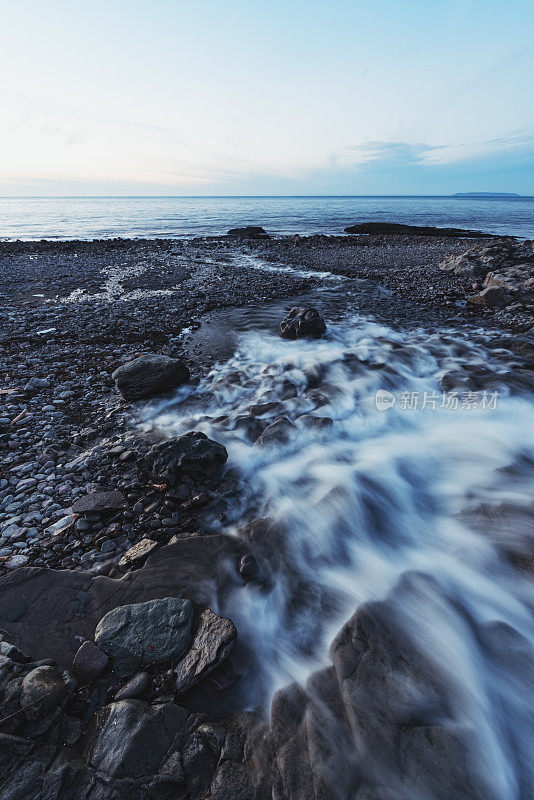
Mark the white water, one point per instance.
(372, 497)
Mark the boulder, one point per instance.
(192, 455)
(149, 375)
(43, 690)
(492, 296)
(89, 663)
(499, 257)
(249, 232)
(140, 634)
(213, 641)
(135, 687)
(302, 323)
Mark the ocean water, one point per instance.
(175, 217)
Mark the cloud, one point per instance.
(390, 154)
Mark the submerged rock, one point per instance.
(278, 432)
(137, 635)
(191, 455)
(149, 375)
(394, 228)
(302, 323)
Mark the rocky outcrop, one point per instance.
(503, 257)
(302, 323)
(143, 634)
(192, 455)
(148, 376)
(395, 228)
(249, 232)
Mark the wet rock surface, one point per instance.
(149, 375)
(120, 675)
(302, 323)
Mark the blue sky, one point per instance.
(294, 97)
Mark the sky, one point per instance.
(240, 97)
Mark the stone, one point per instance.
(149, 375)
(249, 232)
(192, 455)
(141, 634)
(302, 323)
(137, 555)
(396, 228)
(213, 641)
(17, 561)
(278, 432)
(42, 691)
(90, 662)
(132, 738)
(98, 502)
(135, 686)
(492, 296)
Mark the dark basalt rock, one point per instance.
(249, 232)
(140, 634)
(99, 502)
(149, 375)
(395, 228)
(302, 323)
(192, 455)
(213, 641)
(278, 432)
(89, 662)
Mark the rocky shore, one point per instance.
(118, 678)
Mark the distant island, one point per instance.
(486, 194)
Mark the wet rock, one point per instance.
(493, 296)
(137, 635)
(498, 257)
(90, 662)
(312, 422)
(149, 375)
(137, 555)
(43, 690)
(392, 228)
(99, 502)
(192, 455)
(16, 561)
(213, 641)
(131, 738)
(278, 432)
(135, 687)
(249, 232)
(302, 323)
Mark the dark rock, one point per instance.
(135, 687)
(149, 375)
(43, 690)
(316, 423)
(192, 455)
(213, 641)
(131, 738)
(89, 663)
(395, 228)
(248, 567)
(302, 323)
(492, 296)
(98, 502)
(137, 555)
(278, 432)
(137, 635)
(249, 232)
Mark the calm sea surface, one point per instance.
(148, 217)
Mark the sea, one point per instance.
(179, 217)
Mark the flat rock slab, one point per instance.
(98, 502)
(213, 641)
(149, 375)
(138, 554)
(141, 634)
(396, 228)
(35, 603)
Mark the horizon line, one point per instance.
(466, 195)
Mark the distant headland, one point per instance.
(486, 194)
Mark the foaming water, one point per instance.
(367, 505)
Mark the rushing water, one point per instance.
(149, 217)
(378, 494)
